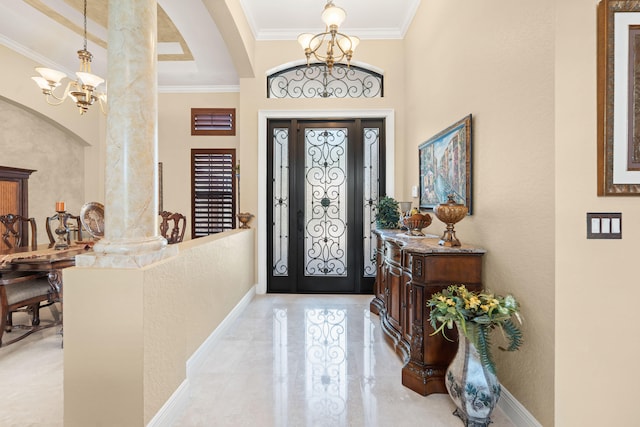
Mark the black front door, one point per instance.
(321, 191)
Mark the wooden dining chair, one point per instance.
(17, 231)
(27, 292)
(23, 290)
(177, 230)
(52, 223)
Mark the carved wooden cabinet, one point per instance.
(14, 193)
(409, 271)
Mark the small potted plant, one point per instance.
(471, 377)
(387, 214)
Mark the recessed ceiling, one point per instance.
(192, 55)
(367, 19)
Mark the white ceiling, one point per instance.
(38, 30)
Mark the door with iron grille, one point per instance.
(323, 184)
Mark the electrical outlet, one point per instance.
(604, 225)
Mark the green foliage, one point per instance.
(484, 348)
(387, 214)
(514, 335)
(476, 315)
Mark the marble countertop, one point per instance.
(426, 244)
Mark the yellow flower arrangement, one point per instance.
(476, 314)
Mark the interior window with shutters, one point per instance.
(213, 121)
(213, 191)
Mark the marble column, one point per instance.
(131, 236)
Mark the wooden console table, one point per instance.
(409, 270)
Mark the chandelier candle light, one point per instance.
(337, 46)
(82, 90)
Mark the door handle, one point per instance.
(300, 220)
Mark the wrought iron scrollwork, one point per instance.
(325, 213)
(315, 81)
(280, 202)
(370, 192)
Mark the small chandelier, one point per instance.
(82, 90)
(338, 45)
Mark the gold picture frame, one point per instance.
(618, 113)
(444, 164)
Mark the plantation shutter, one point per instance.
(213, 121)
(213, 191)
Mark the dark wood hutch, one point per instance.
(14, 191)
(409, 270)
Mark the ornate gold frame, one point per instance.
(610, 148)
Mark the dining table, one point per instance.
(44, 259)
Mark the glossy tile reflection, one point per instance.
(326, 366)
(280, 366)
(368, 371)
(309, 361)
(288, 361)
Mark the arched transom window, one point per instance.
(315, 81)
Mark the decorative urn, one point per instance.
(244, 218)
(415, 223)
(450, 213)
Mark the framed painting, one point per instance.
(618, 98)
(445, 166)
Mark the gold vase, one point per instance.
(244, 218)
(450, 213)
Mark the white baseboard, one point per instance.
(175, 405)
(194, 363)
(517, 413)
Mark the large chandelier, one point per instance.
(83, 90)
(331, 46)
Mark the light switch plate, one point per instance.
(604, 225)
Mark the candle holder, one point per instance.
(62, 232)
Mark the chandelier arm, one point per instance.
(318, 40)
(60, 99)
(57, 101)
(344, 36)
(328, 37)
(102, 105)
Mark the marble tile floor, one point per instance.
(31, 375)
(287, 361)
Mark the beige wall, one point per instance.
(596, 280)
(494, 60)
(29, 141)
(16, 86)
(175, 143)
(129, 333)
